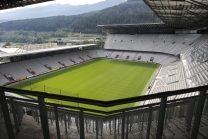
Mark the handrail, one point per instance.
(22, 100)
(80, 112)
(101, 103)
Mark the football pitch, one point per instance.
(100, 79)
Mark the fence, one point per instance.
(44, 88)
(142, 121)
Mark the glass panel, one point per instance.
(68, 124)
(204, 122)
(175, 121)
(90, 127)
(30, 126)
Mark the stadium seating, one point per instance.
(14, 69)
(195, 63)
(100, 53)
(49, 61)
(92, 53)
(167, 43)
(169, 78)
(63, 58)
(125, 55)
(33, 64)
(84, 54)
(3, 80)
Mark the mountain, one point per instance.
(56, 9)
(128, 12)
(3, 21)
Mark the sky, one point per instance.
(71, 2)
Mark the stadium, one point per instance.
(148, 81)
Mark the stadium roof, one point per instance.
(181, 14)
(4, 55)
(137, 28)
(11, 50)
(7, 4)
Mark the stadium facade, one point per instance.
(175, 106)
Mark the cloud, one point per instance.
(71, 2)
(77, 2)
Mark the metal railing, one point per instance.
(161, 111)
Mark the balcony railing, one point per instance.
(108, 124)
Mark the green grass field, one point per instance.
(99, 79)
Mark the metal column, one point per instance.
(14, 112)
(81, 125)
(127, 126)
(197, 120)
(161, 117)
(97, 128)
(43, 117)
(123, 125)
(57, 122)
(6, 115)
(149, 122)
(189, 114)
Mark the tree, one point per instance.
(39, 40)
(100, 42)
(133, 11)
(6, 44)
(86, 42)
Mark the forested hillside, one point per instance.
(128, 12)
